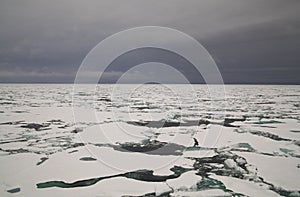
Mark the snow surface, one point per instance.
(52, 138)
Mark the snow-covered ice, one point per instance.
(154, 140)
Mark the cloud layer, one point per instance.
(252, 41)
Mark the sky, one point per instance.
(252, 42)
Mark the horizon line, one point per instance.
(151, 83)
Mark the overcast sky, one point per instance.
(251, 41)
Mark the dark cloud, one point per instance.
(252, 41)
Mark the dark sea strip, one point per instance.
(167, 123)
(14, 190)
(141, 175)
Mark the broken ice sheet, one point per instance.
(259, 151)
